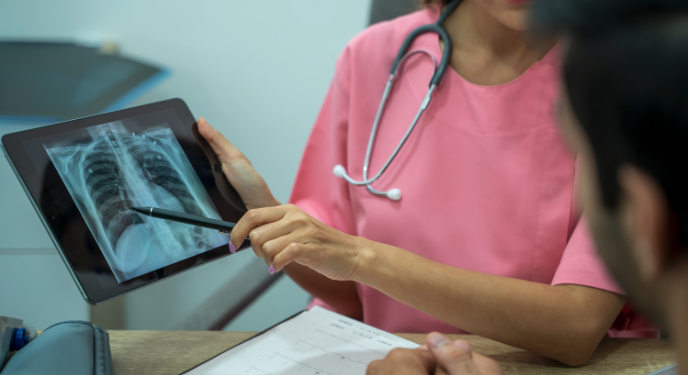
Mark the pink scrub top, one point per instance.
(487, 182)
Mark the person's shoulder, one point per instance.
(369, 55)
(387, 36)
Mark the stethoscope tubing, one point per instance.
(438, 75)
(446, 55)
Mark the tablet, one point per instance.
(83, 176)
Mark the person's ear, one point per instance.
(645, 213)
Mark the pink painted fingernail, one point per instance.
(232, 249)
(271, 270)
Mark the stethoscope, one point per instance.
(395, 194)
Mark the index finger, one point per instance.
(253, 219)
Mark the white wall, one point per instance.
(34, 283)
(257, 70)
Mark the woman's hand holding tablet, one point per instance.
(282, 234)
(248, 183)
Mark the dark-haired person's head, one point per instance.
(624, 111)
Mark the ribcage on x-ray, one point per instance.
(105, 185)
(158, 170)
(118, 164)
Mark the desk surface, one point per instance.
(172, 352)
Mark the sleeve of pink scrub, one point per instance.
(581, 265)
(316, 190)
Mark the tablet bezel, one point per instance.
(75, 242)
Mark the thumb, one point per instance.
(220, 145)
(456, 358)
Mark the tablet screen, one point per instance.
(83, 177)
(111, 167)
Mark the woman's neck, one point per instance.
(487, 52)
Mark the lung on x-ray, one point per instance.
(109, 170)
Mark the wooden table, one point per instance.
(172, 352)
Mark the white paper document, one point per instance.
(316, 342)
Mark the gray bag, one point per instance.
(72, 348)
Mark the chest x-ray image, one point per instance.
(108, 169)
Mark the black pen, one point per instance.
(223, 227)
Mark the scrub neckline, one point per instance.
(437, 50)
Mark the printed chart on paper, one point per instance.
(317, 342)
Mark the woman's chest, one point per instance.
(486, 185)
